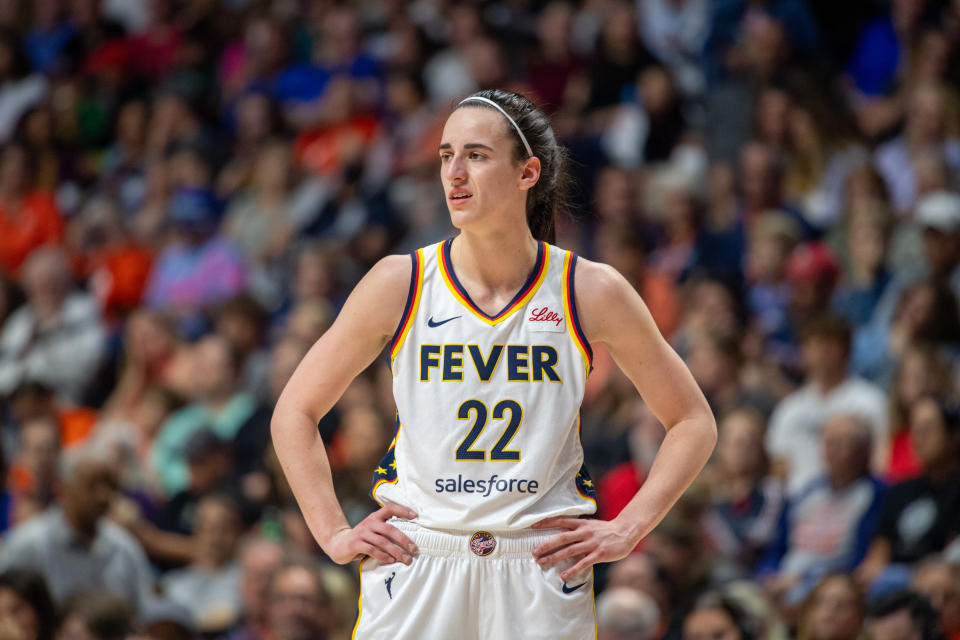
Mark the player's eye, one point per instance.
(444, 157)
(475, 155)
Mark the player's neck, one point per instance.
(499, 260)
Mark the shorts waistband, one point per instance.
(443, 543)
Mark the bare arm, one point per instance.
(613, 314)
(364, 326)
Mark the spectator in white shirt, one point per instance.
(793, 439)
(56, 338)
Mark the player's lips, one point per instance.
(459, 196)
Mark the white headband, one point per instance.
(523, 138)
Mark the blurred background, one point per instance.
(190, 189)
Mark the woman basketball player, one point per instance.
(489, 334)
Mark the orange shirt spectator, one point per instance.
(36, 222)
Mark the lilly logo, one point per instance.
(544, 314)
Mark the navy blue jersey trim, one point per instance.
(531, 279)
(414, 268)
(573, 308)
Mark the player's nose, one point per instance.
(456, 169)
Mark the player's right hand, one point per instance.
(375, 538)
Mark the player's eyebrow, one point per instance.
(469, 145)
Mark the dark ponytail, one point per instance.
(548, 195)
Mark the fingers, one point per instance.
(395, 537)
(558, 522)
(392, 509)
(570, 551)
(375, 552)
(556, 542)
(387, 551)
(582, 565)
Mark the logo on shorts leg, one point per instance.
(388, 582)
(482, 543)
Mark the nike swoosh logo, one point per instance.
(431, 323)
(567, 589)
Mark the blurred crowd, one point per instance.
(190, 189)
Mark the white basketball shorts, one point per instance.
(473, 586)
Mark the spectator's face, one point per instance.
(148, 341)
(273, 169)
(13, 169)
(240, 330)
(636, 571)
(259, 562)
(313, 280)
(941, 248)
(767, 257)
(216, 531)
(89, 493)
(45, 280)
(845, 451)
(823, 355)
(710, 367)
(214, 371)
(38, 129)
(40, 450)
(613, 194)
(915, 377)
(866, 242)
(618, 30)
(925, 116)
(740, 446)
(916, 308)
(297, 606)
(132, 122)
(253, 117)
(657, 91)
(932, 55)
(286, 355)
(710, 624)
(712, 305)
(939, 583)
(16, 614)
(74, 628)
(928, 433)
(759, 176)
(363, 438)
(803, 130)
(554, 25)
(772, 118)
(835, 613)
(896, 626)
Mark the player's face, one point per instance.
(482, 182)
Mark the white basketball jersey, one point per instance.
(488, 422)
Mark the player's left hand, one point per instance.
(591, 541)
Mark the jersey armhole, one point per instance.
(570, 308)
(410, 308)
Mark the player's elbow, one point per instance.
(703, 426)
(287, 414)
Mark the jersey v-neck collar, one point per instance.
(536, 278)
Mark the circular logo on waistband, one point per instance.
(482, 543)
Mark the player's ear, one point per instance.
(530, 173)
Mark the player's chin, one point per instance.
(463, 218)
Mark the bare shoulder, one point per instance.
(391, 272)
(606, 301)
(598, 282)
(378, 300)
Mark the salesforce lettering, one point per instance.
(486, 486)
